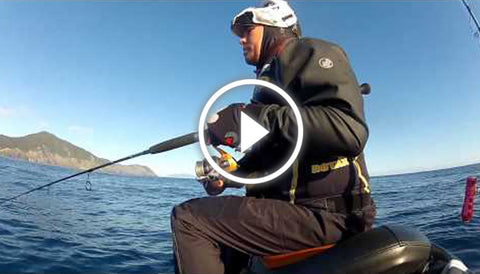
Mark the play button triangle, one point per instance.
(250, 132)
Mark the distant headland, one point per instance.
(46, 148)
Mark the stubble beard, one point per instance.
(250, 60)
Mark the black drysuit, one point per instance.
(322, 199)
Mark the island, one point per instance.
(46, 148)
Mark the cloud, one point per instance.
(21, 111)
(5, 111)
(42, 125)
(80, 130)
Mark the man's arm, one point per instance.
(331, 104)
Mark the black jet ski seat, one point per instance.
(386, 249)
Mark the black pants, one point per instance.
(203, 229)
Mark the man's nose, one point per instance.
(243, 40)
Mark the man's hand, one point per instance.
(214, 188)
(224, 126)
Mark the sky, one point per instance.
(115, 77)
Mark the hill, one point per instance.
(46, 148)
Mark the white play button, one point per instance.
(250, 132)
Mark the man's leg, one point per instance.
(253, 226)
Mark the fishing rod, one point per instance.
(174, 143)
(472, 15)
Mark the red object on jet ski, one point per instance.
(470, 193)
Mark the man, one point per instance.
(324, 197)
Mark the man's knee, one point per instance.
(181, 215)
(177, 212)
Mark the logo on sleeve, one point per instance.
(325, 63)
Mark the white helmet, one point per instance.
(275, 13)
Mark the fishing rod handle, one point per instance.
(174, 143)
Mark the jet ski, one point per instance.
(387, 249)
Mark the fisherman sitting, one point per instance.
(324, 197)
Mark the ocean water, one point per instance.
(123, 224)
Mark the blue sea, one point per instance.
(123, 224)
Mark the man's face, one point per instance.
(251, 42)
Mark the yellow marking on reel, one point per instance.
(226, 161)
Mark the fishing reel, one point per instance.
(206, 174)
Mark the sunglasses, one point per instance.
(241, 30)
